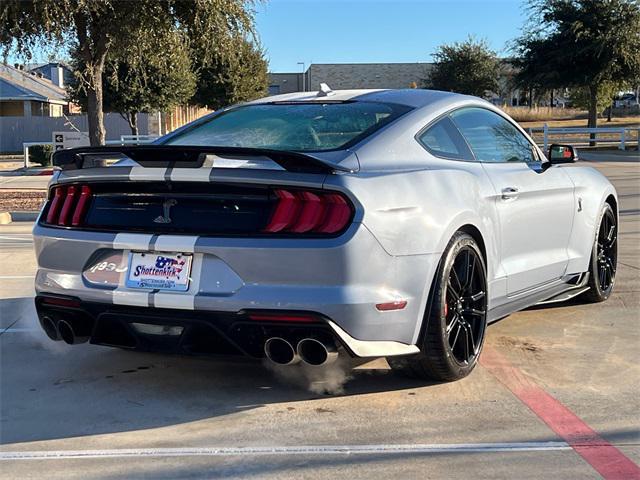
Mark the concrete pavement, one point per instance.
(132, 415)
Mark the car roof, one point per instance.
(412, 97)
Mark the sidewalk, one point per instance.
(24, 182)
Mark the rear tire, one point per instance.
(457, 317)
(604, 258)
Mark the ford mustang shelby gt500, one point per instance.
(388, 223)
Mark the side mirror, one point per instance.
(562, 154)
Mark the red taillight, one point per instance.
(338, 214)
(309, 212)
(285, 212)
(69, 202)
(81, 207)
(56, 205)
(69, 205)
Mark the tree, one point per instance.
(151, 76)
(97, 27)
(469, 67)
(581, 98)
(230, 77)
(582, 44)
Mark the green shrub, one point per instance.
(41, 155)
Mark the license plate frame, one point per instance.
(159, 271)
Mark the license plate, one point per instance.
(163, 271)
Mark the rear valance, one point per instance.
(171, 156)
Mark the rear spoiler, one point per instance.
(171, 156)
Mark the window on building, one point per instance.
(12, 109)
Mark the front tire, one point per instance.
(604, 258)
(456, 321)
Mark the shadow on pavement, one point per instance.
(51, 390)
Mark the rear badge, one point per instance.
(166, 207)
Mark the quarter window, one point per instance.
(492, 138)
(442, 139)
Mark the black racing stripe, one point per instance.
(152, 242)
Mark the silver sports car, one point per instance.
(300, 227)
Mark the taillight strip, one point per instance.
(81, 208)
(56, 205)
(285, 212)
(310, 214)
(69, 201)
(338, 216)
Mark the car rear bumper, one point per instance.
(340, 279)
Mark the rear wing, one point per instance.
(172, 156)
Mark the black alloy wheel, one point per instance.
(465, 307)
(604, 258)
(454, 325)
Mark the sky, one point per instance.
(361, 31)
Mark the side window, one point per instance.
(492, 138)
(442, 139)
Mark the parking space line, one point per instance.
(289, 450)
(606, 459)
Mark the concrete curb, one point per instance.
(8, 217)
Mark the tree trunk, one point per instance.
(593, 110)
(609, 111)
(95, 114)
(551, 99)
(530, 98)
(132, 118)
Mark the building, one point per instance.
(30, 94)
(342, 76)
(59, 73)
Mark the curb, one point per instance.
(8, 217)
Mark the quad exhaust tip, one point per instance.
(50, 328)
(280, 351)
(69, 334)
(315, 352)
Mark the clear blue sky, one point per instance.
(332, 31)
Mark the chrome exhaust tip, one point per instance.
(69, 335)
(315, 352)
(280, 352)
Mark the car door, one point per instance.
(535, 206)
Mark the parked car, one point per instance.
(626, 100)
(389, 223)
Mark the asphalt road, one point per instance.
(556, 396)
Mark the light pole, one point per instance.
(304, 87)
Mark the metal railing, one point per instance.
(578, 135)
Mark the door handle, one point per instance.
(509, 193)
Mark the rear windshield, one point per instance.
(289, 126)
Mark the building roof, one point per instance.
(20, 85)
